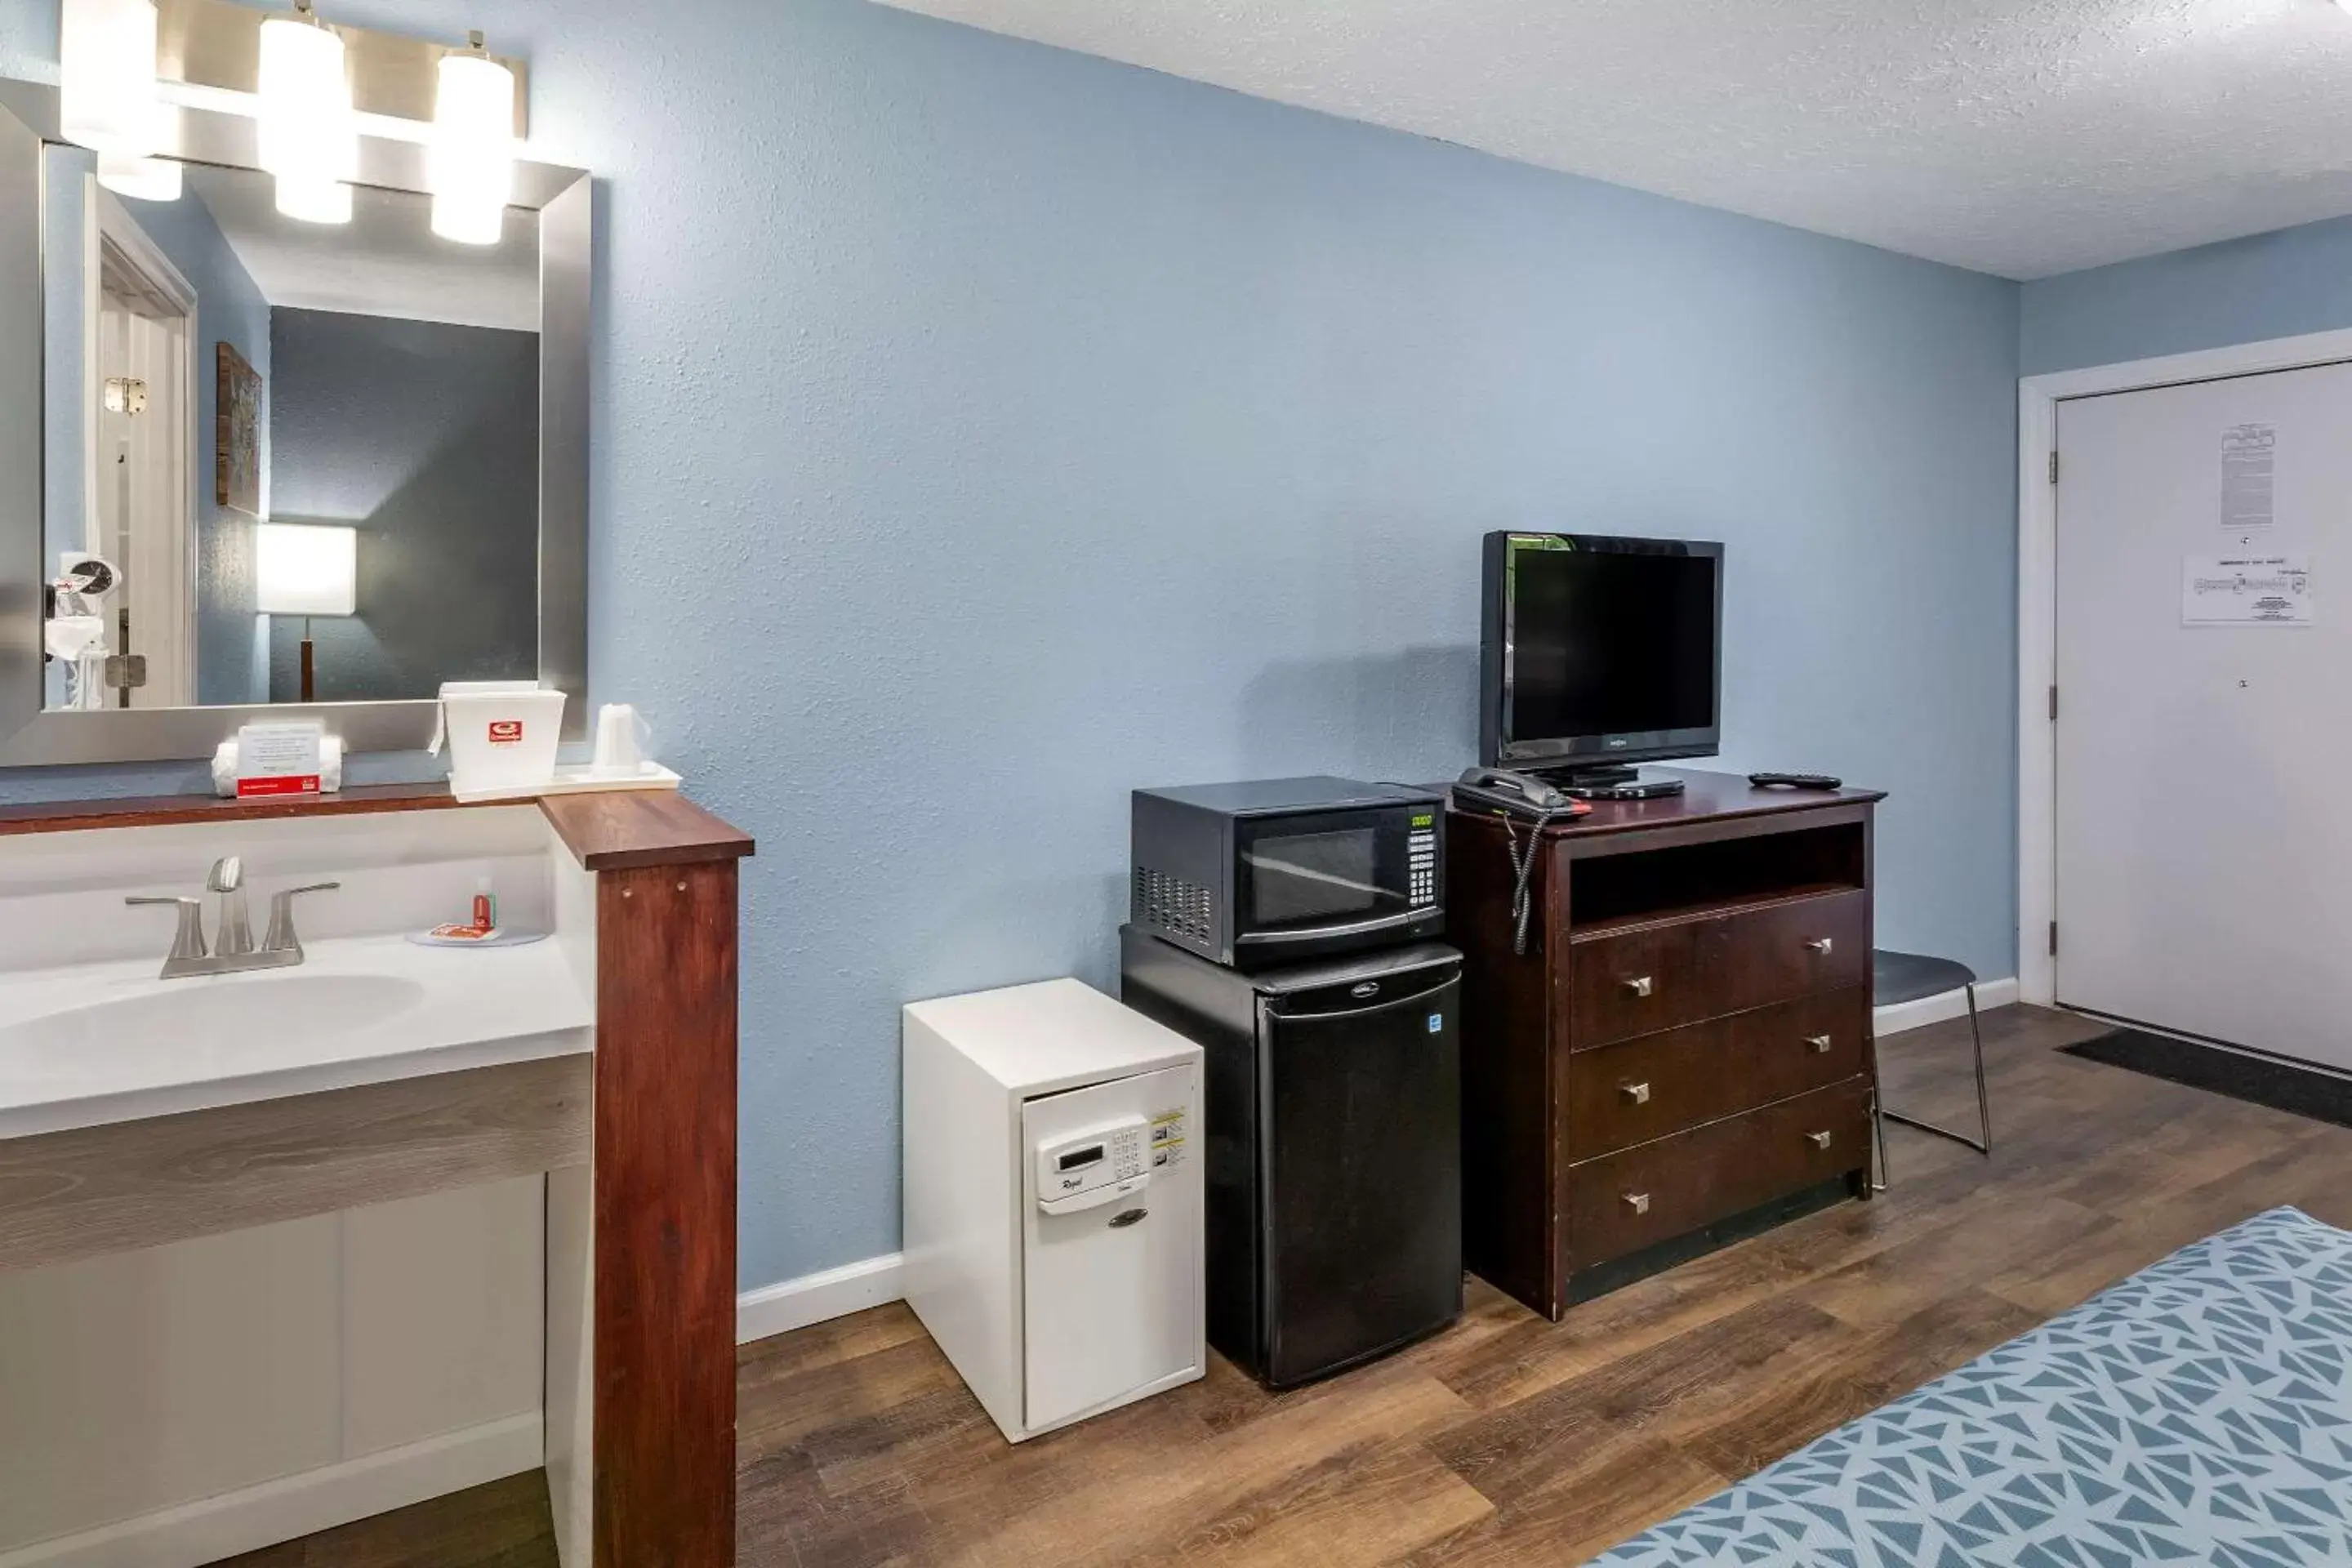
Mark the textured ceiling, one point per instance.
(2017, 137)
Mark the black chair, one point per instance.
(1899, 977)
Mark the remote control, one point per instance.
(1795, 781)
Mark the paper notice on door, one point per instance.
(2249, 477)
(2245, 591)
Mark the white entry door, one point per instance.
(2204, 800)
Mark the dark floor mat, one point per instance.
(2282, 1086)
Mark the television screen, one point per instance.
(1608, 648)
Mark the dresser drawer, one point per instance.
(1658, 1085)
(1651, 977)
(1624, 1202)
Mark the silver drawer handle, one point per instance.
(1639, 986)
(1634, 1093)
(1638, 1202)
(1818, 1140)
(1820, 944)
(1818, 1044)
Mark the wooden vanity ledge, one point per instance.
(613, 830)
(609, 830)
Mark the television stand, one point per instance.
(1681, 1056)
(1610, 782)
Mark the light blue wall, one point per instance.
(983, 431)
(231, 657)
(2276, 285)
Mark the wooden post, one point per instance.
(662, 1344)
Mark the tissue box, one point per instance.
(502, 733)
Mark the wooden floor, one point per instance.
(1507, 1439)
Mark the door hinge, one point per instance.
(2053, 465)
(2054, 939)
(2053, 705)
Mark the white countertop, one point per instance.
(359, 1010)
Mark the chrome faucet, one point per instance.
(227, 880)
(280, 949)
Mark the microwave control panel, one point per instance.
(1420, 860)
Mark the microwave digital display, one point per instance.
(1313, 875)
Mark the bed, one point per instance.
(2200, 1412)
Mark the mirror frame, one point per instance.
(34, 736)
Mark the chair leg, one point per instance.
(1984, 1102)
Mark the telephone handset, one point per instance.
(1500, 786)
(1520, 794)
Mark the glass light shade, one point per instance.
(314, 201)
(305, 569)
(470, 221)
(469, 164)
(307, 133)
(106, 67)
(140, 179)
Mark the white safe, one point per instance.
(1053, 1199)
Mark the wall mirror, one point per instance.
(259, 464)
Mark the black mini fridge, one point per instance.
(1331, 1119)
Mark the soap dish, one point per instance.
(504, 939)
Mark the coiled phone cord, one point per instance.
(1523, 866)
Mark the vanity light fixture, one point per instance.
(314, 201)
(140, 179)
(309, 139)
(470, 161)
(106, 68)
(107, 97)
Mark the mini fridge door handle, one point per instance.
(1379, 1005)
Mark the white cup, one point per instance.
(621, 735)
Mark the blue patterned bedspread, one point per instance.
(2200, 1411)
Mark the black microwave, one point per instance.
(1254, 875)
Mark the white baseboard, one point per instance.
(835, 1292)
(812, 1299)
(258, 1516)
(1927, 1010)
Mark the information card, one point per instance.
(278, 759)
(2245, 591)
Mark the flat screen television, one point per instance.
(1598, 652)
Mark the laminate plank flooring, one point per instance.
(1507, 1439)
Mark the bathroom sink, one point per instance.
(81, 1045)
(212, 1023)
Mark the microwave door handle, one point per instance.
(1324, 933)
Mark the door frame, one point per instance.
(2038, 397)
(113, 224)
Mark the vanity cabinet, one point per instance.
(617, 1092)
(1681, 1055)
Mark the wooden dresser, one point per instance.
(1681, 1056)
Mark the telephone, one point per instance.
(1517, 795)
(1523, 793)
